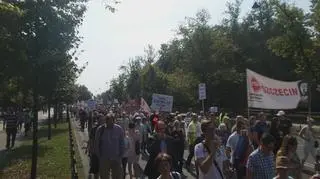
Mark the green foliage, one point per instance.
(38, 42)
(83, 93)
(277, 39)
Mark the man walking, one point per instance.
(11, 127)
(109, 148)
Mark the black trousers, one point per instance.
(124, 166)
(240, 170)
(11, 136)
(190, 156)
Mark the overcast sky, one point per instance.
(110, 39)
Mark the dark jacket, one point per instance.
(154, 149)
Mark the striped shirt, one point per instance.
(11, 121)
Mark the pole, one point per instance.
(309, 99)
(203, 105)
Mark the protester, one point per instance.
(146, 130)
(260, 163)
(11, 127)
(193, 131)
(259, 128)
(125, 154)
(94, 160)
(163, 163)
(274, 131)
(206, 153)
(27, 122)
(289, 149)
(223, 133)
(308, 136)
(134, 148)
(282, 167)
(179, 137)
(161, 143)
(285, 124)
(83, 118)
(109, 147)
(234, 138)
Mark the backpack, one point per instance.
(239, 155)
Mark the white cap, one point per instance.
(280, 113)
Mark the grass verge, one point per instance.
(53, 156)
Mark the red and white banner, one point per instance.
(267, 93)
(131, 106)
(144, 106)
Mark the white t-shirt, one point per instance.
(232, 143)
(213, 173)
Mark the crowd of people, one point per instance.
(13, 120)
(222, 147)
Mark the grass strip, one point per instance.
(53, 156)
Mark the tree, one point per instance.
(267, 40)
(83, 93)
(47, 32)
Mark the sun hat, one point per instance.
(282, 162)
(280, 113)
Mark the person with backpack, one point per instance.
(207, 153)
(163, 163)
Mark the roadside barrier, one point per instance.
(74, 172)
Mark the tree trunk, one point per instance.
(68, 112)
(49, 120)
(60, 110)
(35, 135)
(55, 115)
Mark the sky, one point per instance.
(110, 39)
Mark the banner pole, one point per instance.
(309, 99)
(203, 105)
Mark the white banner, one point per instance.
(162, 102)
(267, 93)
(144, 106)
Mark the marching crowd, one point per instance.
(222, 147)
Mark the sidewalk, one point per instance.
(20, 134)
(81, 138)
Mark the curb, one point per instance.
(84, 158)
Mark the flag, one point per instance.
(144, 106)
